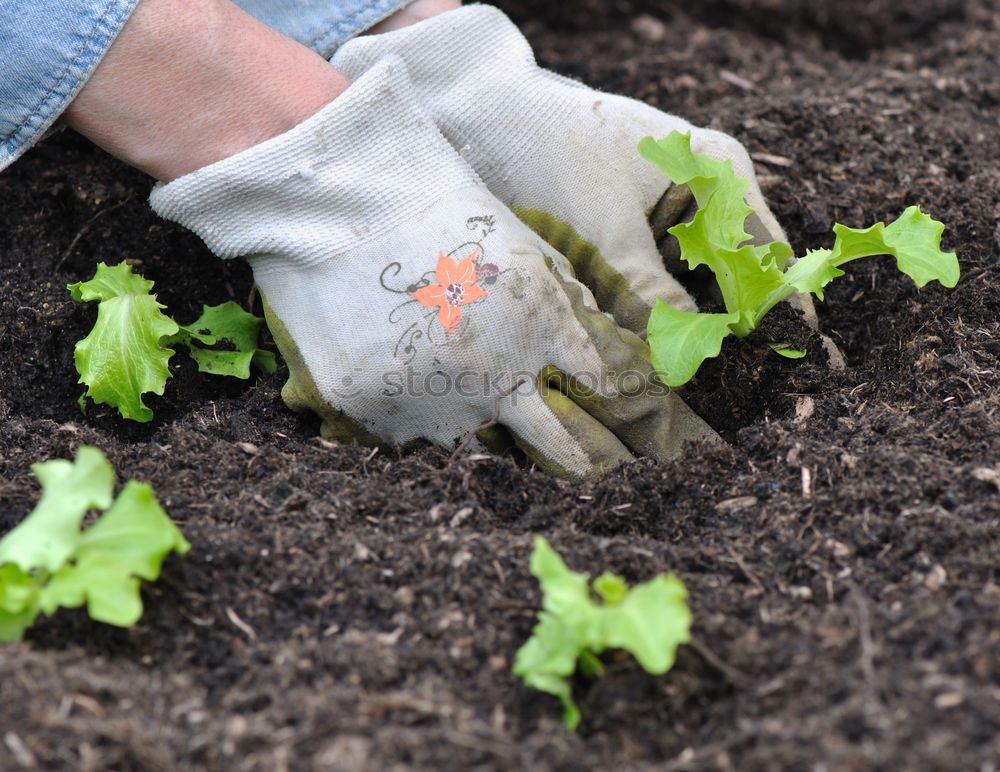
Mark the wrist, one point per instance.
(188, 84)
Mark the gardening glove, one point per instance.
(411, 304)
(561, 155)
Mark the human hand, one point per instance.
(410, 303)
(561, 155)
(190, 82)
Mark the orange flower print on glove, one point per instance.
(456, 286)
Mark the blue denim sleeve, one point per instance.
(48, 49)
(322, 25)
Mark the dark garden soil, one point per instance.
(344, 610)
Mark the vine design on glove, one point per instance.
(451, 284)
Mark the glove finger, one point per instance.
(626, 282)
(651, 419)
(700, 282)
(557, 435)
(669, 210)
(624, 395)
(301, 394)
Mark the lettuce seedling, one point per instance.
(649, 621)
(126, 353)
(47, 561)
(753, 279)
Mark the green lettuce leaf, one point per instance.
(755, 278)
(47, 561)
(49, 536)
(226, 323)
(914, 239)
(547, 660)
(126, 354)
(813, 272)
(126, 544)
(18, 601)
(122, 358)
(649, 621)
(788, 353)
(679, 341)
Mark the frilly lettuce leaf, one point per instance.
(649, 621)
(753, 279)
(70, 489)
(226, 322)
(122, 358)
(126, 544)
(126, 354)
(679, 341)
(47, 561)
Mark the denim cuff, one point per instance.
(48, 49)
(322, 25)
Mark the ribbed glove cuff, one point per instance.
(461, 60)
(362, 165)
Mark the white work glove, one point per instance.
(408, 301)
(561, 155)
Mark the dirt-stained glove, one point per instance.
(409, 302)
(561, 155)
